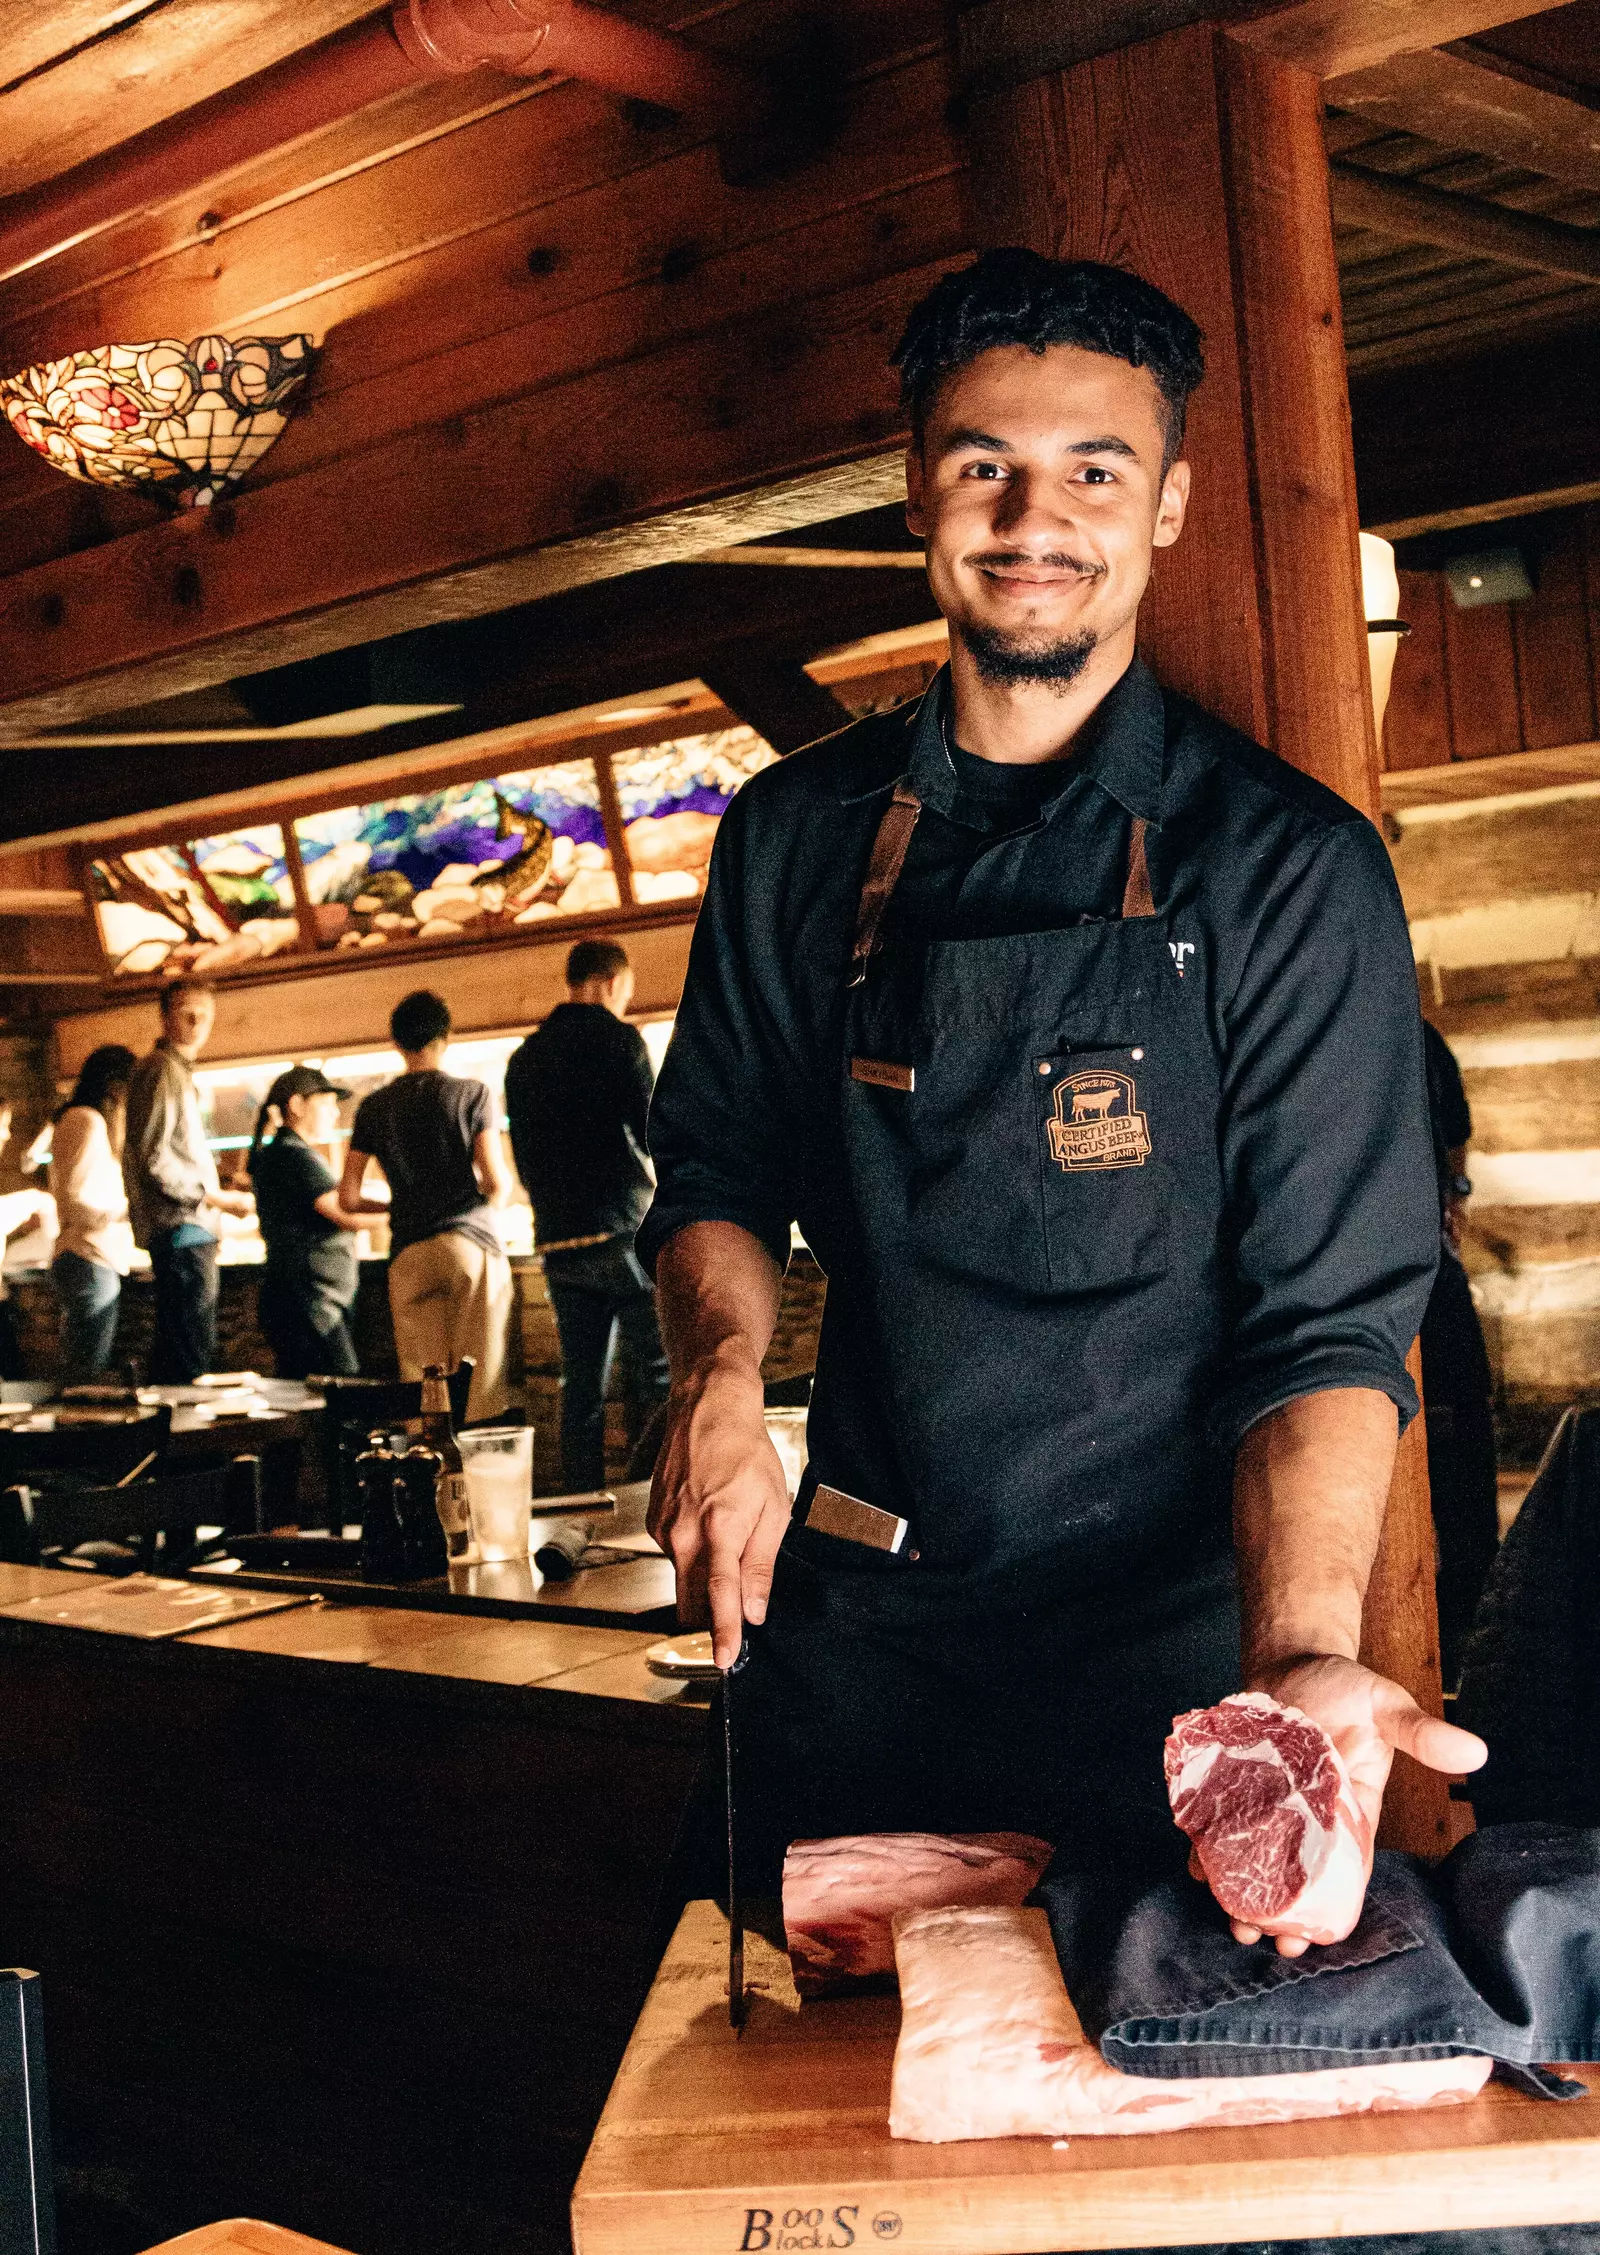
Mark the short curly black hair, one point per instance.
(419, 1020)
(1016, 297)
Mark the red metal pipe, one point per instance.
(378, 56)
(582, 42)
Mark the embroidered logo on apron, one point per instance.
(1098, 1123)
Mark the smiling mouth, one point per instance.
(1018, 572)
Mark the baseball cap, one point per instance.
(303, 1080)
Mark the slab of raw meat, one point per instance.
(840, 1896)
(1261, 1791)
(990, 2047)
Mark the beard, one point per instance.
(1019, 660)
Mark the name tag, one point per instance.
(834, 1513)
(882, 1074)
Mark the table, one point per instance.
(344, 1915)
(639, 1591)
(777, 2140)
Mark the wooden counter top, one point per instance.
(778, 2140)
(391, 1642)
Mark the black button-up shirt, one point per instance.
(577, 1095)
(1281, 909)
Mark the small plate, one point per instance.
(685, 1658)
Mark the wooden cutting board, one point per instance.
(776, 2142)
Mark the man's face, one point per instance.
(1039, 490)
(619, 992)
(187, 1020)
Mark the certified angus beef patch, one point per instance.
(1097, 1122)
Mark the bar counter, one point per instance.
(344, 1913)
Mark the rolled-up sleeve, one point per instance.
(722, 1120)
(1333, 1221)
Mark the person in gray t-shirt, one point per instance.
(437, 1141)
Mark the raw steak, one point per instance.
(840, 1896)
(990, 2047)
(1261, 1791)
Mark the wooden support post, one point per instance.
(1199, 163)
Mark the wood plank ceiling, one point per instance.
(488, 254)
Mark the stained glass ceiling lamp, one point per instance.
(181, 421)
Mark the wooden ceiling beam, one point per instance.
(1006, 42)
(114, 82)
(1459, 102)
(1412, 213)
(775, 696)
(1503, 433)
(536, 668)
(1331, 38)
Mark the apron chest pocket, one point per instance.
(1103, 1183)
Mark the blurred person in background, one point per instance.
(312, 1271)
(1457, 1385)
(95, 1248)
(577, 1096)
(19, 1210)
(174, 1198)
(436, 1138)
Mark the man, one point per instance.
(577, 1096)
(20, 1210)
(435, 1138)
(1081, 1037)
(174, 1198)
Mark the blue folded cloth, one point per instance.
(1496, 1951)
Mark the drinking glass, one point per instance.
(498, 1462)
(786, 1430)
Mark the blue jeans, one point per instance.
(184, 1262)
(599, 1292)
(89, 1294)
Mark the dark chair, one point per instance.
(95, 1456)
(356, 1407)
(123, 1527)
(27, 2186)
(1528, 1681)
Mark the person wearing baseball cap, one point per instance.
(311, 1273)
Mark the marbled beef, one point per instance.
(1261, 1791)
(840, 1896)
(990, 2047)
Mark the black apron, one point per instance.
(1030, 1134)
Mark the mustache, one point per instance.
(1052, 560)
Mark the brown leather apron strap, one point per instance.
(1137, 898)
(883, 874)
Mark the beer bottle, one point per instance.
(450, 1493)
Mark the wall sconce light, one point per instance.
(181, 421)
(1490, 575)
(1380, 600)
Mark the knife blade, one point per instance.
(736, 1997)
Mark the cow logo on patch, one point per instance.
(1098, 1123)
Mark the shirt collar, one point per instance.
(1122, 747)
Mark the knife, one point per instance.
(736, 1999)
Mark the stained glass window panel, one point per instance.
(217, 905)
(467, 861)
(673, 796)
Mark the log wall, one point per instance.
(1504, 901)
(1510, 677)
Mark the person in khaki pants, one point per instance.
(436, 1139)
